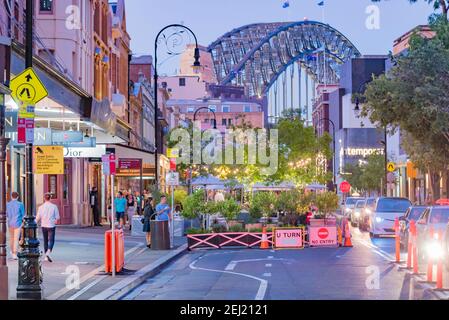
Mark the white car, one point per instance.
(348, 207)
(386, 210)
(356, 213)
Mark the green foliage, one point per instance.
(237, 228)
(180, 195)
(218, 228)
(196, 231)
(230, 209)
(262, 204)
(327, 202)
(366, 177)
(413, 96)
(194, 205)
(155, 193)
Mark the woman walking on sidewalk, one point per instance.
(131, 209)
(148, 215)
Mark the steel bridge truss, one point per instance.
(254, 56)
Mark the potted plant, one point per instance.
(327, 203)
(262, 204)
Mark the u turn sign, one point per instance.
(289, 238)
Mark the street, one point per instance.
(309, 274)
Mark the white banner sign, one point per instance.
(96, 152)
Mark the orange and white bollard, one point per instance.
(430, 259)
(264, 244)
(398, 240)
(410, 245)
(440, 265)
(414, 249)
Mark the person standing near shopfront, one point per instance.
(15, 211)
(120, 208)
(130, 209)
(94, 205)
(163, 210)
(48, 216)
(148, 216)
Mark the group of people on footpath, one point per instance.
(47, 217)
(126, 205)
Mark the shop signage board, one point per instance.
(130, 166)
(96, 152)
(173, 164)
(112, 165)
(172, 153)
(172, 179)
(65, 137)
(105, 165)
(48, 160)
(320, 236)
(289, 238)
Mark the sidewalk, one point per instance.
(83, 249)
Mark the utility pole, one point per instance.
(30, 270)
(5, 59)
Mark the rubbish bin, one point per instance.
(160, 235)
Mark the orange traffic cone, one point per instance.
(348, 242)
(264, 244)
(340, 236)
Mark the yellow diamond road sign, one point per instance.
(391, 167)
(27, 88)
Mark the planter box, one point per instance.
(253, 226)
(330, 222)
(228, 239)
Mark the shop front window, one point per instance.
(53, 185)
(66, 182)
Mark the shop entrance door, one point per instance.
(59, 187)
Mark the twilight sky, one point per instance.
(210, 19)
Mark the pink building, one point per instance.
(227, 113)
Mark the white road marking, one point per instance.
(263, 283)
(93, 273)
(90, 285)
(231, 266)
(268, 265)
(267, 275)
(80, 244)
(270, 257)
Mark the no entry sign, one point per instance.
(345, 187)
(289, 238)
(323, 236)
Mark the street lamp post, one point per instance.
(171, 41)
(334, 149)
(30, 271)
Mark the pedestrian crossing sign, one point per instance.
(391, 167)
(27, 89)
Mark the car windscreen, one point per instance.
(351, 201)
(393, 205)
(370, 203)
(415, 213)
(360, 204)
(439, 215)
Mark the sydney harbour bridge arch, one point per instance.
(281, 63)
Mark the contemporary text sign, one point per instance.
(48, 160)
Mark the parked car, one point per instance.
(384, 214)
(413, 213)
(349, 206)
(366, 213)
(357, 212)
(436, 217)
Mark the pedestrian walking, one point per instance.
(48, 216)
(148, 216)
(130, 209)
(120, 208)
(163, 210)
(94, 206)
(15, 211)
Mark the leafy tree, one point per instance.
(262, 204)
(413, 96)
(194, 205)
(230, 209)
(327, 202)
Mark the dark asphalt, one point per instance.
(363, 272)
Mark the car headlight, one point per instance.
(379, 220)
(348, 210)
(357, 214)
(368, 211)
(434, 250)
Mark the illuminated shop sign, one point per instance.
(363, 152)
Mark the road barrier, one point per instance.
(228, 239)
(414, 234)
(410, 246)
(440, 263)
(119, 251)
(347, 234)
